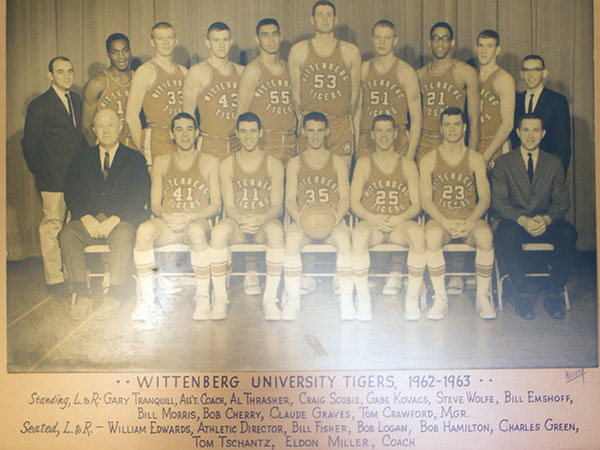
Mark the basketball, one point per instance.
(317, 220)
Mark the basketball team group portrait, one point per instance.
(287, 185)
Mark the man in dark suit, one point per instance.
(52, 135)
(531, 197)
(107, 188)
(549, 105)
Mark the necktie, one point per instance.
(70, 108)
(530, 107)
(106, 165)
(530, 167)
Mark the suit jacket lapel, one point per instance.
(116, 163)
(520, 166)
(61, 106)
(539, 167)
(541, 103)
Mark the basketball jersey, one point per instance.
(325, 84)
(218, 102)
(272, 100)
(115, 97)
(317, 185)
(453, 187)
(489, 117)
(439, 92)
(382, 94)
(251, 190)
(386, 193)
(164, 99)
(184, 190)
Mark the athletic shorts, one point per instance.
(155, 142)
(428, 142)
(280, 145)
(218, 146)
(366, 143)
(341, 136)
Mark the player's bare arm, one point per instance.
(291, 188)
(297, 56)
(195, 82)
(412, 180)
(159, 168)
(505, 86)
(140, 83)
(209, 168)
(359, 179)
(469, 77)
(352, 58)
(478, 165)
(247, 86)
(92, 91)
(426, 192)
(358, 110)
(226, 183)
(343, 184)
(410, 84)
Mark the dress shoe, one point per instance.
(554, 306)
(59, 289)
(524, 307)
(80, 307)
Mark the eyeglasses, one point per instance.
(537, 69)
(443, 39)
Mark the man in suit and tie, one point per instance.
(106, 189)
(549, 105)
(52, 135)
(531, 197)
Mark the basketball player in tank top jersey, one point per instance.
(325, 76)
(252, 186)
(265, 90)
(445, 82)
(211, 86)
(184, 196)
(317, 175)
(156, 88)
(455, 193)
(384, 195)
(389, 86)
(110, 88)
(497, 99)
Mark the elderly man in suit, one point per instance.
(107, 188)
(531, 197)
(549, 105)
(53, 134)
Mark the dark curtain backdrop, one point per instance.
(37, 30)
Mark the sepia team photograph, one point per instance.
(299, 185)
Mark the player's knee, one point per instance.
(274, 233)
(416, 237)
(433, 237)
(220, 235)
(483, 237)
(196, 234)
(145, 236)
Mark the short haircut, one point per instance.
(384, 23)
(248, 117)
(491, 34)
(316, 116)
(267, 21)
(383, 118)
(534, 58)
(445, 25)
(453, 111)
(183, 115)
(57, 58)
(323, 3)
(116, 37)
(217, 26)
(529, 116)
(161, 26)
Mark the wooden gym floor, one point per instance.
(42, 338)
